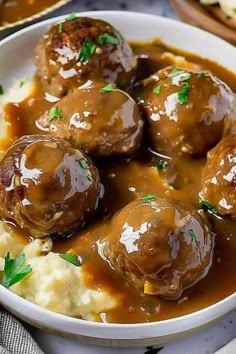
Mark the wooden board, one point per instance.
(192, 12)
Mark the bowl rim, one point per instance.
(37, 15)
(103, 325)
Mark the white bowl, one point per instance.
(16, 54)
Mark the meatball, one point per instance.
(186, 111)
(98, 118)
(78, 49)
(160, 247)
(46, 186)
(219, 177)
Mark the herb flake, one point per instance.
(71, 258)
(60, 27)
(187, 77)
(108, 38)
(21, 83)
(202, 74)
(183, 93)
(71, 17)
(193, 236)
(148, 197)
(107, 88)
(84, 164)
(55, 113)
(208, 206)
(175, 72)
(161, 165)
(89, 178)
(14, 270)
(87, 50)
(157, 90)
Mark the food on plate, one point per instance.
(88, 122)
(228, 6)
(186, 111)
(219, 177)
(46, 186)
(79, 49)
(149, 233)
(160, 246)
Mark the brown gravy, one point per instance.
(128, 179)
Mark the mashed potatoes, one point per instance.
(54, 283)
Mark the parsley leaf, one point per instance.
(151, 350)
(161, 165)
(107, 88)
(202, 74)
(87, 50)
(60, 27)
(194, 237)
(89, 178)
(157, 90)
(55, 113)
(21, 83)
(14, 271)
(84, 164)
(71, 17)
(1, 90)
(175, 72)
(148, 197)
(208, 206)
(187, 77)
(108, 38)
(183, 94)
(71, 258)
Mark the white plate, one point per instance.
(16, 53)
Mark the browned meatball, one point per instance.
(160, 247)
(186, 111)
(219, 177)
(76, 50)
(46, 186)
(102, 121)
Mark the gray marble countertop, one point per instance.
(205, 342)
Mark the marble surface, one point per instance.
(205, 342)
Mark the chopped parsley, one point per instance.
(193, 236)
(183, 93)
(71, 17)
(89, 178)
(1, 90)
(161, 165)
(87, 50)
(14, 270)
(55, 113)
(157, 90)
(71, 258)
(148, 197)
(108, 38)
(151, 350)
(107, 88)
(175, 72)
(21, 83)
(84, 164)
(202, 74)
(208, 206)
(60, 27)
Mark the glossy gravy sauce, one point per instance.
(126, 179)
(17, 10)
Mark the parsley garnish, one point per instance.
(84, 164)
(183, 93)
(21, 83)
(107, 88)
(187, 77)
(157, 90)
(71, 17)
(60, 27)
(14, 271)
(208, 206)
(87, 50)
(89, 178)
(193, 235)
(151, 350)
(161, 165)
(175, 72)
(202, 74)
(108, 38)
(1, 90)
(71, 258)
(148, 197)
(55, 113)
